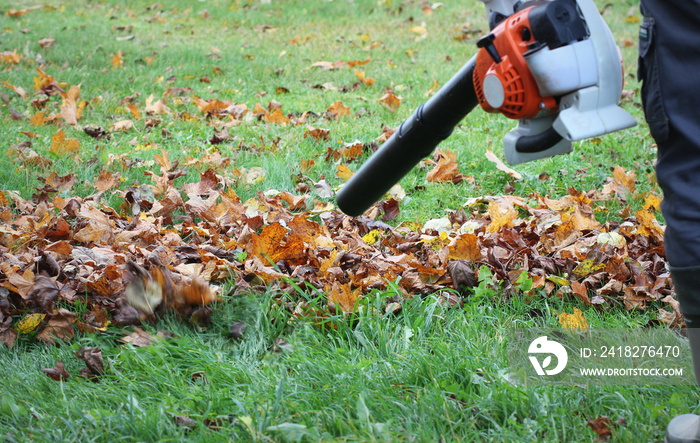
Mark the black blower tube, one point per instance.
(415, 139)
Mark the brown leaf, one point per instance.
(43, 293)
(581, 291)
(107, 180)
(7, 334)
(363, 77)
(57, 373)
(70, 111)
(390, 208)
(462, 274)
(17, 89)
(272, 244)
(184, 422)
(276, 117)
(117, 59)
(46, 42)
(237, 330)
(446, 168)
(96, 132)
(93, 360)
(125, 314)
(156, 107)
(501, 215)
(145, 290)
(59, 326)
(316, 133)
(341, 295)
(601, 426)
(61, 184)
(140, 338)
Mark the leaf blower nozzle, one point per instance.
(416, 138)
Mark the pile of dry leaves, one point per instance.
(168, 251)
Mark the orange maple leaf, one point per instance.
(62, 145)
(338, 109)
(391, 101)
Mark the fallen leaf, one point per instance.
(29, 323)
(46, 42)
(601, 426)
(140, 338)
(390, 101)
(62, 145)
(316, 133)
(465, 247)
(501, 216)
(341, 295)
(573, 321)
(502, 166)
(237, 330)
(59, 326)
(338, 109)
(58, 372)
(117, 60)
(70, 111)
(463, 276)
(445, 169)
(122, 125)
(92, 357)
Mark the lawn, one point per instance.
(210, 138)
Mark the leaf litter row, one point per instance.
(172, 249)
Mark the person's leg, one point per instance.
(669, 67)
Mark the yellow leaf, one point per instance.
(10, 57)
(588, 267)
(561, 281)
(465, 246)
(344, 172)
(29, 323)
(418, 30)
(372, 236)
(500, 216)
(573, 321)
(648, 224)
(62, 145)
(653, 202)
(363, 78)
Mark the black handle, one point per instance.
(415, 139)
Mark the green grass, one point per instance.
(426, 374)
(431, 372)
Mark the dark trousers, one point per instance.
(669, 67)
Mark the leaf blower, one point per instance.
(552, 65)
